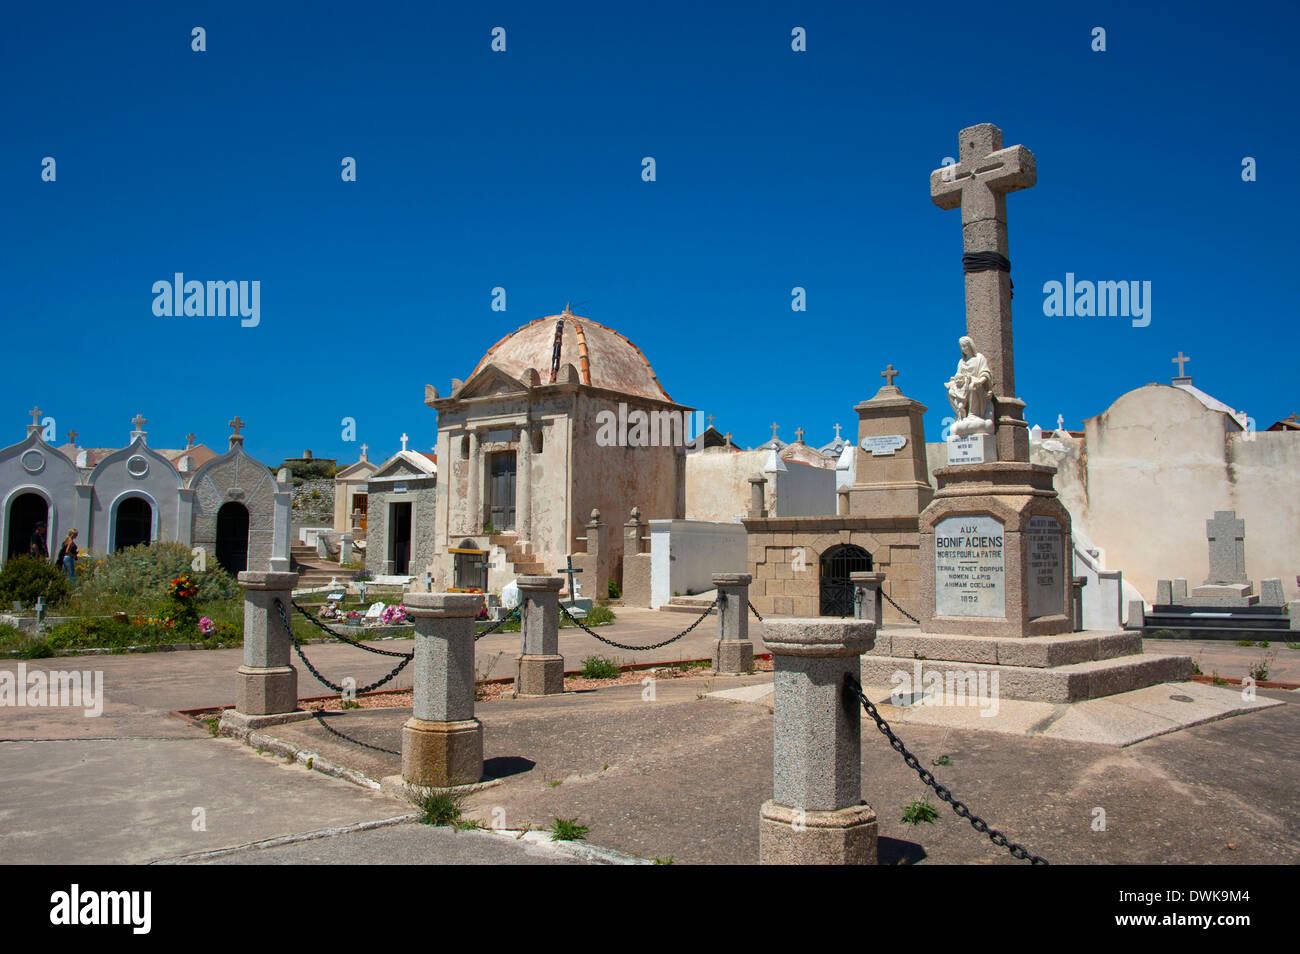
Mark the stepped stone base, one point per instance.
(1065, 668)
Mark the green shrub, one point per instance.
(614, 590)
(919, 811)
(440, 807)
(135, 580)
(24, 578)
(599, 667)
(598, 615)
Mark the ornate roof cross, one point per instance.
(190, 438)
(1181, 360)
(979, 184)
(364, 448)
(888, 374)
(798, 434)
(711, 419)
(72, 438)
(236, 425)
(837, 432)
(775, 427)
(35, 412)
(404, 440)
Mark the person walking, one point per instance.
(38, 548)
(68, 555)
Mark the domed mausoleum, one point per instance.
(561, 417)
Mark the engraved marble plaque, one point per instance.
(969, 567)
(1045, 556)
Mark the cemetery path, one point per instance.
(680, 777)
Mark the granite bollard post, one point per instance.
(733, 653)
(1078, 582)
(442, 742)
(540, 667)
(868, 603)
(268, 683)
(816, 814)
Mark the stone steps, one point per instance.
(687, 604)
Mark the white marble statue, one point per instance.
(970, 392)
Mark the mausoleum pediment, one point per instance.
(490, 381)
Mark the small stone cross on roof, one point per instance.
(837, 432)
(1181, 360)
(364, 448)
(798, 434)
(35, 412)
(190, 438)
(404, 440)
(775, 427)
(139, 422)
(236, 424)
(72, 438)
(889, 374)
(711, 419)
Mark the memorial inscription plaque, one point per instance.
(1045, 553)
(969, 567)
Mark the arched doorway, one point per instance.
(232, 537)
(25, 512)
(836, 587)
(134, 523)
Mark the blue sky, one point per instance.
(522, 170)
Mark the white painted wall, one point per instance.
(684, 555)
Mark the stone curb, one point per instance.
(294, 753)
(287, 840)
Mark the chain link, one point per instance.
(899, 608)
(320, 718)
(755, 611)
(513, 614)
(340, 637)
(958, 807)
(590, 632)
(407, 657)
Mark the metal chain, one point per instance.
(317, 673)
(320, 718)
(958, 807)
(340, 637)
(610, 642)
(755, 611)
(899, 608)
(497, 625)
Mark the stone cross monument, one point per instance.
(978, 185)
(995, 540)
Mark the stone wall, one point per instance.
(313, 512)
(780, 589)
(684, 555)
(717, 483)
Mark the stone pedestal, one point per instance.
(268, 684)
(442, 742)
(540, 668)
(816, 814)
(733, 653)
(868, 603)
(995, 544)
(891, 475)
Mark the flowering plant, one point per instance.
(183, 587)
(207, 627)
(393, 614)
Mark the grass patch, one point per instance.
(1293, 645)
(599, 667)
(1245, 642)
(941, 760)
(568, 829)
(212, 723)
(919, 811)
(440, 808)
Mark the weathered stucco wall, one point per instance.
(717, 483)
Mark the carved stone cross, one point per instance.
(888, 374)
(837, 432)
(979, 184)
(190, 438)
(72, 438)
(1227, 538)
(139, 422)
(798, 434)
(775, 427)
(1181, 360)
(35, 412)
(236, 424)
(404, 440)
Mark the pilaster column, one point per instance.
(540, 667)
(268, 683)
(733, 653)
(442, 742)
(816, 814)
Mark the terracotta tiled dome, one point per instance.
(603, 357)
